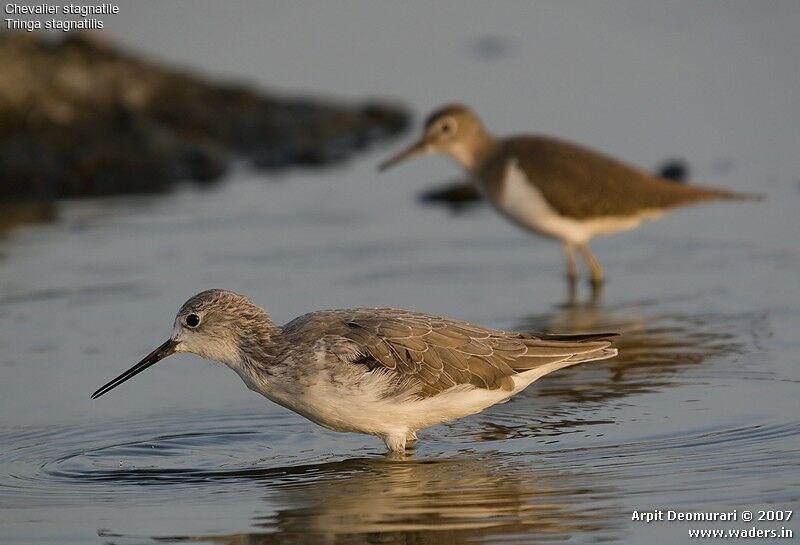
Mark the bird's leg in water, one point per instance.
(595, 268)
(572, 269)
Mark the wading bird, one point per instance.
(383, 372)
(553, 187)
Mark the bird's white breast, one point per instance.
(522, 202)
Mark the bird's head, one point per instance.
(218, 325)
(454, 130)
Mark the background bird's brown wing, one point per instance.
(581, 183)
(436, 354)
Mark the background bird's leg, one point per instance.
(597, 295)
(572, 269)
(594, 266)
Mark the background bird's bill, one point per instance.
(166, 349)
(415, 149)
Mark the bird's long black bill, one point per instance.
(152, 358)
(407, 153)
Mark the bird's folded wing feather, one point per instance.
(434, 354)
(581, 183)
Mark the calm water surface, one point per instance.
(699, 411)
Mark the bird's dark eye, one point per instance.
(446, 128)
(193, 320)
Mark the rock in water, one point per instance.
(676, 170)
(457, 195)
(80, 117)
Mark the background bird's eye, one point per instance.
(446, 127)
(193, 320)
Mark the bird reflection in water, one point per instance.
(432, 502)
(656, 344)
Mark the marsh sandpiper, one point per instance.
(383, 372)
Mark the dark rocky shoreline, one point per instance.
(79, 117)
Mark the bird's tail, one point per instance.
(684, 195)
(587, 347)
(735, 196)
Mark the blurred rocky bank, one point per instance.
(80, 117)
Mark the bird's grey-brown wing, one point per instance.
(432, 354)
(581, 183)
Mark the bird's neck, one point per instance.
(472, 153)
(258, 346)
(267, 368)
